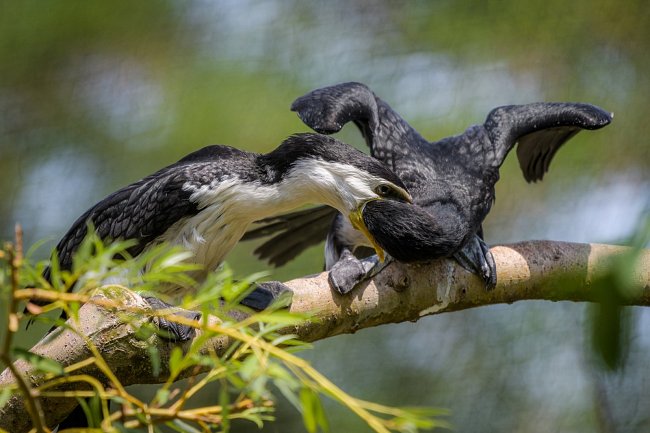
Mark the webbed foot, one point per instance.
(266, 294)
(175, 331)
(349, 272)
(491, 278)
(477, 259)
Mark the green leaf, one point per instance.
(175, 360)
(281, 317)
(321, 419)
(174, 258)
(308, 404)
(5, 395)
(184, 427)
(288, 391)
(248, 368)
(224, 402)
(162, 396)
(154, 357)
(119, 400)
(313, 414)
(258, 386)
(55, 273)
(73, 311)
(45, 365)
(94, 403)
(91, 410)
(255, 418)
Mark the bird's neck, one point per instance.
(320, 182)
(247, 202)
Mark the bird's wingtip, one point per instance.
(605, 117)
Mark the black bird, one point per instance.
(451, 181)
(207, 200)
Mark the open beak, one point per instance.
(356, 218)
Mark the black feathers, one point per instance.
(540, 129)
(311, 224)
(315, 146)
(451, 180)
(145, 210)
(413, 234)
(351, 103)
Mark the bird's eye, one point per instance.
(383, 190)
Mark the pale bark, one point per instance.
(544, 270)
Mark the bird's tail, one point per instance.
(292, 233)
(540, 128)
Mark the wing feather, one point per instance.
(536, 151)
(540, 129)
(145, 209)
(293, 233)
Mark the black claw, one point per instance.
(175, 331)
(477, 259)
(347, 273)
(491, 278)
(266, 294)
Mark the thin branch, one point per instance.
(31, 404)
(543, 270)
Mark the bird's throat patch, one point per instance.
(356, 218)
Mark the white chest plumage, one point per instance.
(227, 207)
(223, 217)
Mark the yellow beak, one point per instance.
(404, 195)
(356, 218)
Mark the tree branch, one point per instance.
(544, 270)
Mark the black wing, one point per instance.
(328, 109)
(144, 210)
(540, 128)
(294, 233)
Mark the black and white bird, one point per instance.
(451, 181)
(206, 201)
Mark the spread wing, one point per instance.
(328, 109)
(146, 209)
(540, 129)
(141, 211)
(535, 151)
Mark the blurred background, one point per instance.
(96, 95)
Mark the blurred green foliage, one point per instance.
(257, 362)
(96, 95)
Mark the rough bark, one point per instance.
(544, 270)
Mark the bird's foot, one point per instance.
(173, 331)
(477, 259)
(349, 272)
(489, 266)
(267, 293)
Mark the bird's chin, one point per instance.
(356, 219)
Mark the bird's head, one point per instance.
(329, 171)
